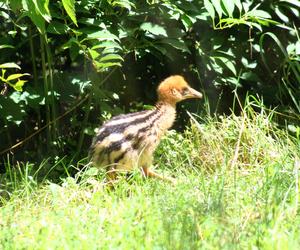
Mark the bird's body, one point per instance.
(128, 141)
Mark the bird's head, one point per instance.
(175, 89)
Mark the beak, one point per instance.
(193, 94)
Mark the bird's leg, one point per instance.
(150, 173)
(111, 176)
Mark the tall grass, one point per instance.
(237, 188)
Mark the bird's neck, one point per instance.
(168, 115)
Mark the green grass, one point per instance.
(237, 188)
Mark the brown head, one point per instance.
(175, 89)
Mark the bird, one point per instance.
(128, 141)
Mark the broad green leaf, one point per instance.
(15, 5)
(154, 29)
(31, 10)
(19, 85)
(6, 46)
(68, 44)
(293, 2)
(74, 51)
(102, 35)
(259, 14)
(13, 33)
(9, 65)
(94, 54)
(218, 7)
(239, 5)
(42, 7)
(229, 6)
(69, 6)
(230, 66)
(247, 64)
(160, 48)
(233, 81)
(210, 8)
(187, 21)
(250, 76)
(111, 57)
(246, 6)
(57, 28)
(295, 11)
(256, 25)
(281, 15)
(107, 44)
(297, 50)
(228, 63)
(15, 76)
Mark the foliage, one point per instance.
(222, 199)
(9, 80)
(80, 54)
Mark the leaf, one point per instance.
(111, 57)
(234, 82)
(74, 50)
(9, 65)
(228, 63)
(161, 49)
(57, 28)
(42, 7)
(250, 76)
(281, 15)
(154, 29)
(187, 21)
(69, 6)
(31, 10)
(239, 5)
(259, 14)
(6, 46)
(102, 35)
(229, 6)
(15, 76)
(293, 2)
(19, 85)
(107, 44)
(247, 64)
(15, 5)
(218, 7)
(297, 50)
(94, 54)
(210, 8)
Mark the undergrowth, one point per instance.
(237, 188)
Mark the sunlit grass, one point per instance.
(237, 188)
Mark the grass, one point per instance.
(237, 188)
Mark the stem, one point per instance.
(87, 113)
(52, 99)
(35, 80)
(46, 89)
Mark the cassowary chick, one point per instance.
(128, 141)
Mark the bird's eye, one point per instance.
(185, 91)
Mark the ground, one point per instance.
(237, 188)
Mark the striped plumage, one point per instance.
(128, 141)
